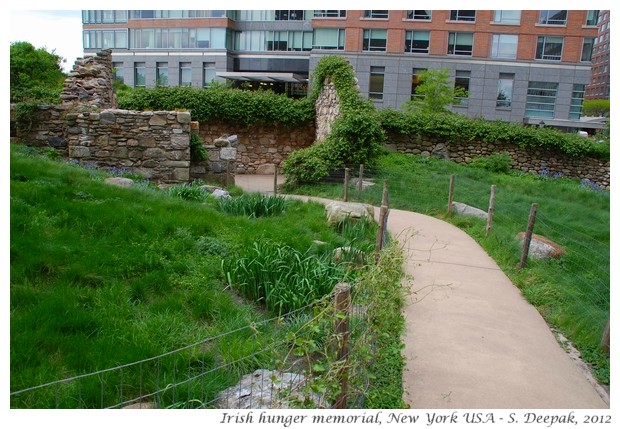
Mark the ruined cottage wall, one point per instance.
(530, 160)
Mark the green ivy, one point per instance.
(229, 105)
(356, 136)
(454, 128)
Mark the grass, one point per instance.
(104, 276)
(571, 293)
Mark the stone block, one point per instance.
(337, 211)
(107, 118)
(179, 141)
(181, 174)
(158, 120)
(79, 152)
(266, 169)
(228, 153)
(184, 117)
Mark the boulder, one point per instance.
(265, 389)
(220, 193)
(338, 211)
(466, 210)
(541, 247)
(119, 181)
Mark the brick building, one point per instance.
(524, 66)
(599, 85)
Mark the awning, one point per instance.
(583, 122)
(263, 77)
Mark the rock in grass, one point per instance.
(466, 210)
(268, 389)
(119, 181)
(338, 211)
(541, 247)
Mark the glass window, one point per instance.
(162, 74)
(119, 72)
(120, 39)
(576, 101)
(289, 15)
(549, 48)
(139, 75)
(208, 73)
(504, 46)
(375, 40)
(375, 87)
(328, 38)
(541, 98)
(460, 43)
(461, 80)
(586, 50)
(185, 74)
(417, 41)
(380, 14)
(592, 17)
(553, 17)
(463, 15)
(504, 89)
(507, 17)
(424, 15)
(415, 81)
(330, 13)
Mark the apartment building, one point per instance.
(528, 66)
(599, 84)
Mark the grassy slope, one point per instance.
(102, 276)
(571, 293)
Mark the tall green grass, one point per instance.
(104, 276)
(572, 293)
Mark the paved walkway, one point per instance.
(472, 341)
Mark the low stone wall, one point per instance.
(153, 144)
(531, 160)
(47, 128)
(259, 148)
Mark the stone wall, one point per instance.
(327, 109)
(47, 128)
(153, 144)
(531, 160)
(257, 149)
(90, 83)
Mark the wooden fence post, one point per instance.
(341, 328)
(346, 184)
(528, 235)
(361, 178)
(227, 173)
(605, 339)
(491, 210)
(383, 214)
(451, 194)
(275, 182)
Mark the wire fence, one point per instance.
(261, 365)
(580, 278)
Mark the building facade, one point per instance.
(599, 84)
(524, 66)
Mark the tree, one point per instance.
(435, 92)
(595, 107)
(35, 73)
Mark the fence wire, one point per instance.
(205, 374)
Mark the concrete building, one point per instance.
(599, 85)
(524, 66)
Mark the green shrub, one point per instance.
(356, 136)
(197, 151)
(308, 165)
(459, 128)
(497, 163)
(234, 106)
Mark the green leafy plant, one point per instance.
(435, 92)
(219, 102)
(356, 135)
(188, 191)
(197, 150)
(25, 114)
(496, 163)
(253, 205)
